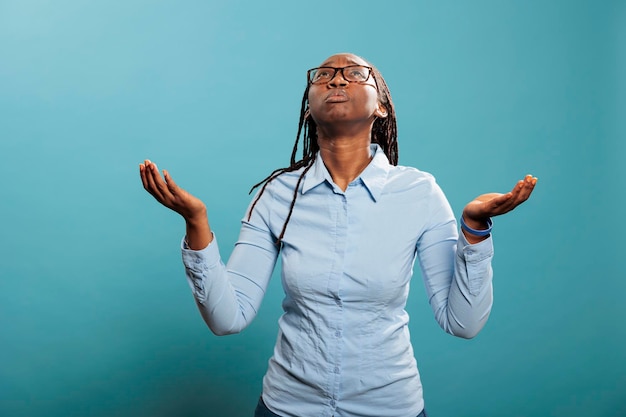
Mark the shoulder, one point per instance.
(285, 181)
(405, 178)
(417, 188)
(281, 187)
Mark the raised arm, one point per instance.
(457, 269)
(228, 296)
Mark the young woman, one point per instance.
(348, 223)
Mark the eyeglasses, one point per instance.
(351, 73)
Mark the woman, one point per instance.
(348, 224)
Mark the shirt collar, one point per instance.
(374, 176)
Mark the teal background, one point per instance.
(96, 318)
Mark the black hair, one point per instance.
(384, 133)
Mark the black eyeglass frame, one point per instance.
(336, 69)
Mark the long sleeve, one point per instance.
(228, 296)
(343, 346)
(460, 292)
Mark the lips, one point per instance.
(336, 96)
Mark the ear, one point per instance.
(381, 111)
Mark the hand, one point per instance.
(494, 204)
(166, 192)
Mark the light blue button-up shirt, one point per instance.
(343, 347)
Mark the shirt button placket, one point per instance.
(339, 302)
(337, 274)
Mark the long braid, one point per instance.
(385, 130)
(384, 133)
(294, 165)
(293, 203)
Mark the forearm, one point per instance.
(458, 281)
(228, 296)
(470, 297)
(198, 231)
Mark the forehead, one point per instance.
(339, 60)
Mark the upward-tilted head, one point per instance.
(344, 89)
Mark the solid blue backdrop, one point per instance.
(95, 315)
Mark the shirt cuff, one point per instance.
(474, 252)
(477, 258)
(202, 259)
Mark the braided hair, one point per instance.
(384, 133)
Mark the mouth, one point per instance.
(336, 96)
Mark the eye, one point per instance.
(323, 74)
(358, 73)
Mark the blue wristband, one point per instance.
(475, 232)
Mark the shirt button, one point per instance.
(336, 370)
(332, 402)
(338, 333)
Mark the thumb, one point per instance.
(486, 197)
(171, 185)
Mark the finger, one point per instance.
(175, 193)
(494, 204)
(501, 200)
(158, 180)
(169, 181)
(152, 178)
(517, 190)
(522, 191)
(142, 175)
(505, 205)
(524, 188)
(487, 197)
(145, 173)
(181, 198)
(480, 210)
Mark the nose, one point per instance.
(338, 80)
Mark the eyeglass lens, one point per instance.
(352, 73)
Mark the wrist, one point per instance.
(198, 233)
(196, 218)
(478, 228)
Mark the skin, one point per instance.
(344, 113)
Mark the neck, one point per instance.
(345, 157)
